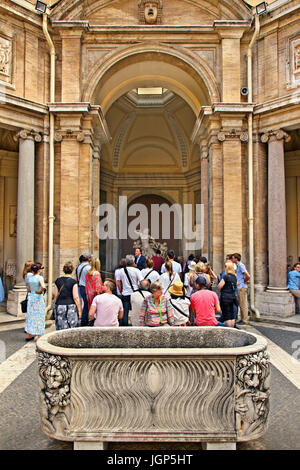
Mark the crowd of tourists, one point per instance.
(152, 291)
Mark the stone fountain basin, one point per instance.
(204, 384)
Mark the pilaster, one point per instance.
(230, 34)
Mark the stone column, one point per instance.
(277, 300)
(25, 215)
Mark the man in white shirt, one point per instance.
(128, 280)
(136, 300)
(176, 266)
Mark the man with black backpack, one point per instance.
(128, 280)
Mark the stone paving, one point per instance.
(20, 421)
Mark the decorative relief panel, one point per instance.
(294, 62)
(150, 12)
(252, 395)
(5, 59)
(54, 378)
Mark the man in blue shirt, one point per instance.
(243, 278)
(294, 284)
(176, 266)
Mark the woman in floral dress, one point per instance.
(36, 312)
(93, 281)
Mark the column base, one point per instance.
(85, 445)
(275, 301)
(219, 446)
(14, 298)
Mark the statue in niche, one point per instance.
(150, 12)
(149, 245)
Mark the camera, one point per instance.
(244, 91)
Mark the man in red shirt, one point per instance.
(158, 261)
(205, 304)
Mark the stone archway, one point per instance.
(125, 159)
(177, 69)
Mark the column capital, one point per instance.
(26, 134)
(233, 134)
(73, 135)
(271, 136)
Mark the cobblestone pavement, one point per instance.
(20, 421)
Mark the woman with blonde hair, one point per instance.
(93, 281)
(200, 272)
(228, 286)
(168, 278)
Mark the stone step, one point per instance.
(293, 321)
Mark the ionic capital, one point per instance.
(72, 135)
(26, 134)
(275, 135)
(233, 134)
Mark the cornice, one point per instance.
(277, 103)
(26, 105)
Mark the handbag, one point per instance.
(55, 304)
(24, 304)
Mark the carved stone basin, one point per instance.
(193, 384)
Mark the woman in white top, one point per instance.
(149, 273)
(27, 272)
(168, 278)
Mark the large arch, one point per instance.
(142, 65)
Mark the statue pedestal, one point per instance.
(276, 302)
(16, 296)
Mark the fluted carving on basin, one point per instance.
(147, 395)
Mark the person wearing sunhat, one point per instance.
(180, 304)
(188, 276)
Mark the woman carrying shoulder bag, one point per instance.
(168, 278)
(228, 286)
(67, 307)
(36, 312)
